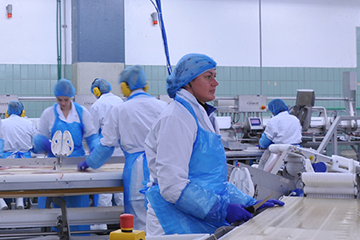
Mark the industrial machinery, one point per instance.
(323, 129)
(320, 203)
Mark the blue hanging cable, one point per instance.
(163, 33)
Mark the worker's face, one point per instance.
(203, 87)
(64, 102)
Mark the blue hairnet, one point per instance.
(15, 107)
(277, 105)
(103, 85)
(188, 68)
(64, 88)
(134, 76)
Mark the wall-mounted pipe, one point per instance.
(58, 37)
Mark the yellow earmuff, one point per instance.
(21, 115)
(126, 90)
(96, 92)
(124, 87)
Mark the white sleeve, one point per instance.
(89, 128)
(110, 131)
(45, 122)
(173, 155)
(94, 112)
(1, 132)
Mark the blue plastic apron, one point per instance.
(17, 154)
(76, 129)
(130, 159)
(207, 168)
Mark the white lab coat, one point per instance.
(130, 122)
(98, 111)
(284, 129)
(1, 132)
(168, 148)
(18, 133)
(47, 120)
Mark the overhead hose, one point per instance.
(58, 37)
(163, 33)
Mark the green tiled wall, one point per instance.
(39, 79)
(276, 82)
(33, 80)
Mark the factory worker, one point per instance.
(105, 101)
(283, 128)
(128, 124)
(189, 191)
(67, 115)
(18, 132)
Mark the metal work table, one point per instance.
(36, 177)
(57, 177)
(245, 156)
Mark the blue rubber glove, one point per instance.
(41, 144)
(319, 167)
(82, 166)
(236, 212)
(270, 203)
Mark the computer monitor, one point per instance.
(305, 97)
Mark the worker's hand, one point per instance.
(82, 166)
(270, 203)
(236, 212)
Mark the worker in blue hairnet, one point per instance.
(189, 191)
(66, 115)
(99, 110)
(283, 128)
(18, 132)
(128, 124)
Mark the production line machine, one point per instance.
(242, 120)
(318, 204)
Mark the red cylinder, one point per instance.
(126, 221)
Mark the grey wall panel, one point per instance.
(98, 31)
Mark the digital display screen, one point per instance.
(255, 121)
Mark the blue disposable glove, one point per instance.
(236, 212)
(41, 144)
(319, 167)
(270, 203)
(82, 166)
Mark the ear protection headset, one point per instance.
(22, 112)
(124, 87)
(96, 90)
